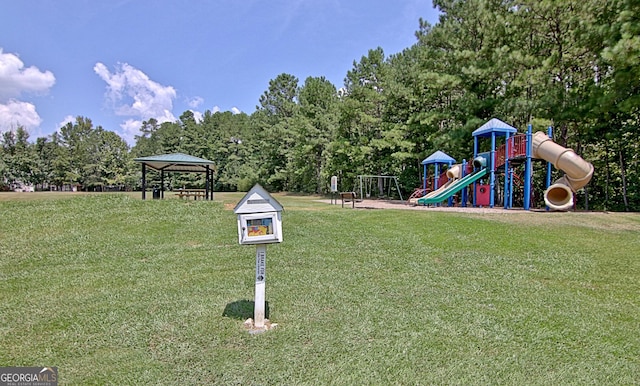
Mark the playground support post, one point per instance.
(475, 154)
(549, 164)
(527, 170)
(492, 177)
(508, 188)
(463, 195)
(511, 188)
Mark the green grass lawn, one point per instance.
(115, 290)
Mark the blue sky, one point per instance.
(119, 62)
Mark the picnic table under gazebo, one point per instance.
(178, 163)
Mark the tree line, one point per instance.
(573, 65)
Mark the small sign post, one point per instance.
(259, 223)
(259, 308)
(334, 189)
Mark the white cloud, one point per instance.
(235, 110)
(130, 128)
(195, 102)
(215, 109)
(132, 94)
(197, 116)
(67, 119)
(17, 113)
(15, 79)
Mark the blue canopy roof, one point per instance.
(494, 126)
(438, 157)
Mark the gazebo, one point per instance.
(180, 163)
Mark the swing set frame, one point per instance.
(365, 182)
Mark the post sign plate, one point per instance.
(261, 263)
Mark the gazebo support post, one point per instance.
(211, 179)
(144, 182)
(162, 184)
(206, 184)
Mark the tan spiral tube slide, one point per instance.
(578, 172)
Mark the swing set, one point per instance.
(377, 186)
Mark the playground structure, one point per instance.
(516, 149)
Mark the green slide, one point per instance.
(454, 188)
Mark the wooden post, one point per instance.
(261, 262)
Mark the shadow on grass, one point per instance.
(243, 309)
